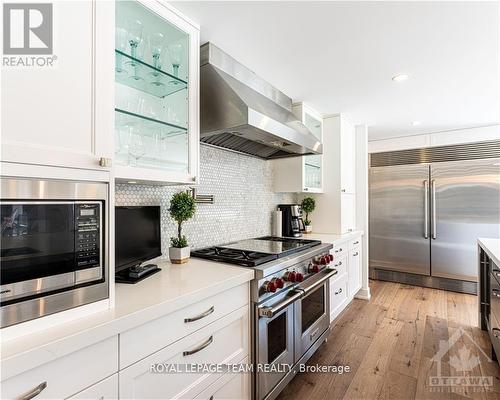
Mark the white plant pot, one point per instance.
(309, 228)
(179, 255)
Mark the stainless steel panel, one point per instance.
(397, 219)
(466, 151)
(32, 287)
(467, 206)
(35, 308)
(36, 189)
(240, 111)
(452, 285)
(88, 274)
(266, 381)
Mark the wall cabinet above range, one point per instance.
(305, 173)
(156, 94)
(62, 115)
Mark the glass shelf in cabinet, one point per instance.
(148, 125)
(149, 79)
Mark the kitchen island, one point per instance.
(489, 290)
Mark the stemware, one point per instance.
(137, 148)
(121, 44)
(135, 31)
(156, 45)
(175, 53)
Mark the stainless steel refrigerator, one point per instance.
(427, 209)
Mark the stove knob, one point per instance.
(299, 277)
(324, 261)
(278, 282)
(290, 276)
(313, 268)
(269, 287)
(330, 256)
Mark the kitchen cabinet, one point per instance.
(63, 115)
(336, 207)
(156, 94)
(66, 375)
(225, 341)
(107, 389)
(302, 174)
(354, 270)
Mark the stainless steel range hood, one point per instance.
(242, 112)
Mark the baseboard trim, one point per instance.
(363, 294)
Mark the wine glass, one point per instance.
(135, 31)
(156, 44)
(175, 53)
(136, 148)
(121, 44)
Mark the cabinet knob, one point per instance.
(306, 189)
(105, 162)
(343, 190)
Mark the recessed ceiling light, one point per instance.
(415, 123)
(132, 182)
(400, 77)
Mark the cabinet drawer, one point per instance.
(338, 295)
(229, 387)
(355, 243)
(225, 341)
(339, 250)
(66, 375)
(340, 264)
(146, 339)
(104, 390)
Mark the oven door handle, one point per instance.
(269, 312)
(319, 282)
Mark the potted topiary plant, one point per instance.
(182, 208)
(308, 205)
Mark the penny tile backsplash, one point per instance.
(243, 199)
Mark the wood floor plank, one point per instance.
(369, 379)
(396, 360)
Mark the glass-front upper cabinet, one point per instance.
(156, 94)
(313, 164)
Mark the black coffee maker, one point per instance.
(291, 220)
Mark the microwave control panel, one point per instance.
(88, 235)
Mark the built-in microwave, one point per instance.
(53, 247)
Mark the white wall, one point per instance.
(436, 139)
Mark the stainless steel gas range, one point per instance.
(290, 297)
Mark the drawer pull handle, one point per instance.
(495, 292)
(338, 264)
(208, 342)
(339, 291)
(34, 392)
(202, 315)
(496, 272)
(356, 242)
(355, 254)
(339, 250)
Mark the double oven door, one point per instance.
(286, 327)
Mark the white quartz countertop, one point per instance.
(172, 289)
(332, 237)
(492, 248)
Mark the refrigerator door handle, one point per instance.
(433, 204)
(426, 209)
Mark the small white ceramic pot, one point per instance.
(309, 228)
(179, 255)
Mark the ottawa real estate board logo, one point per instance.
(28, 35)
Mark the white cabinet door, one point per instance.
(354, 271)
(347, 212)
(107, 389)
(347, 159)
(49, 114)
(225, 341)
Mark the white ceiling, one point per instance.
(340, 57)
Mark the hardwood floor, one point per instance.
(395, 345)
